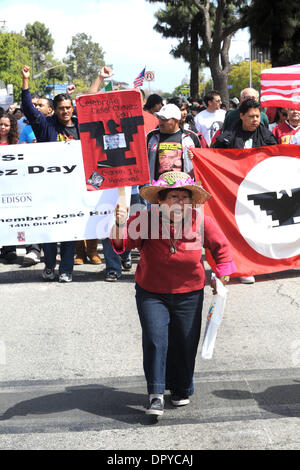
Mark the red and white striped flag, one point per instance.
(280, 87)
(139, 79)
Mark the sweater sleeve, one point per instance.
(134, 233)
(36, 119)
(218, 245)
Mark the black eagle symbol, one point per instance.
(115, 156)
(285, 208)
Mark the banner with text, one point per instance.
(113, 139)
(43, 196)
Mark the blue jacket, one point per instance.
(46, 129)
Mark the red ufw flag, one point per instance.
(256, 203)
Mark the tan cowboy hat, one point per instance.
(174, 180)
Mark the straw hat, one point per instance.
(174, 180)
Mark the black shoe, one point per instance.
(156, 407)
(112, 276)
(10, 256)
(179, 401)
(126, 265)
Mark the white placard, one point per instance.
(43, 196)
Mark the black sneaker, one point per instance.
(179, 401)
(126, 265)
(10, 256)
(48, 274)
(112, 276)
(156, 407)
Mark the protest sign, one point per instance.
(256, 203)
(43, 196)
(113, 139)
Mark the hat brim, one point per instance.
(150, 193)
(165, 118)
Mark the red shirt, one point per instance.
(284, 132)
(162, 272)
(150, 122)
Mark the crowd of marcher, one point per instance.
(172, 127)
(170, 275)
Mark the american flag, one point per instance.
(139, 79)
(280, 87)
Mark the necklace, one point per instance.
(166, 228)
(173, 246)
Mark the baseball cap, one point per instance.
(235, 101)
(169, 111)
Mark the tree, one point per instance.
(13, 55)
(217, 21)
(84, 58)
(182, 22)
(219, 27)
(275, 25)
(39, 37)
(239, 75)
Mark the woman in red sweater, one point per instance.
(170, 278)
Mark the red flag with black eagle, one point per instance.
(256, 203)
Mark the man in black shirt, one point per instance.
(248, 132)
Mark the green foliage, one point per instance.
(239, 76)
(204, 30)
(35, 49)
(39, 37)
(87, 55)
(275, 25)
(14, 54)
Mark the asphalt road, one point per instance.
(71, 373)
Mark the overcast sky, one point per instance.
(123, 28)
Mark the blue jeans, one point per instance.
(112, 260)
(171, 326)
(67, 251)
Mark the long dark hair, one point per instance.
(13, 135)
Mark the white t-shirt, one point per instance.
(296, 139)
(209, 123)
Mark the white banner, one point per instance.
(43, 196)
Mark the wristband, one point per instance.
(225, 278)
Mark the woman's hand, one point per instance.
(121, 214)
(213, 283)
